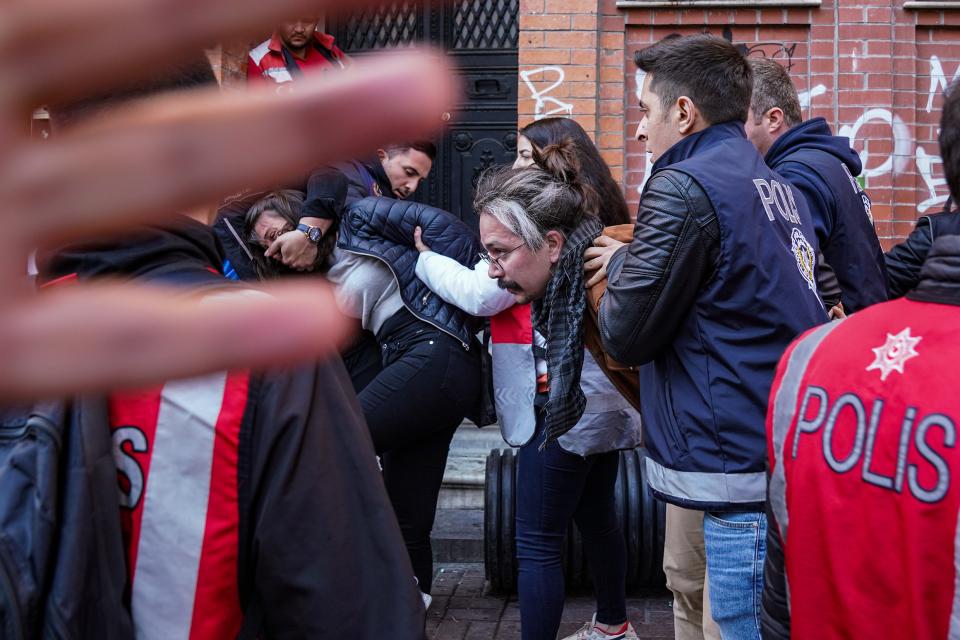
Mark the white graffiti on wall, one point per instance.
(905, 149)
(542, 95)
(896, 162)
(925, 163)
(806, 97)
(938, 80)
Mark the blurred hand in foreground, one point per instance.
(159, 157)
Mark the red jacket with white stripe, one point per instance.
(266, 62)
(864, 457)
(247, 489)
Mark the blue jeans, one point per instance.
(554, 486)
(736, 547)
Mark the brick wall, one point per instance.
(874, 70)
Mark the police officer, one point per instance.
(719, 278)
(862, 432)
(822, 167)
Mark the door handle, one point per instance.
(486, 87)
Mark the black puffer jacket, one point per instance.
(383, 228)
(905, 259)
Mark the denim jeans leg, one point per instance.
(549, 485)
(736, 546)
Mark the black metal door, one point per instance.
(481, 36)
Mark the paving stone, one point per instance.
(475, 602)
(512, 612)
(451, 629)
(462, 611)
(485, 615)
(508, 631)
(481, 631)
(578, 611)
(654, 616)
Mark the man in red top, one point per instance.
(862, 435)
(294, 48)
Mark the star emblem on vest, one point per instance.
(894, 353)
(806, 258)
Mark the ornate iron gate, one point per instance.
(481, 37)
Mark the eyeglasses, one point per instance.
(489, 259)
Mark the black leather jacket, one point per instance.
(904, 260)
(679, 245)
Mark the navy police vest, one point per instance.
(704, 397)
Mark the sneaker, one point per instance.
(589, 631)
(427, 599)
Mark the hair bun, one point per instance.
(560, 160)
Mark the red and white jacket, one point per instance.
(862, 434)
(245, 491)
(266, 62)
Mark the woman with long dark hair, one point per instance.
(611, 207)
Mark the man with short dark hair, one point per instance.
(295, 48)
(862, 434)
(719, 278)
(823, 168)
(396, 172)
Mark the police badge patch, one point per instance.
(806, 258)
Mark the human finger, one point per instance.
(605, 241)
(172, 153)
(599, 276)
(418, 240)
(72, 47)
(593, 252)
(596, 263)
(98, 337)
(273, 249)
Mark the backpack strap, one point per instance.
(294, 69)
(331, 57)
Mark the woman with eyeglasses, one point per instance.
(574, 477)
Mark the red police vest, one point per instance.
(176, 451)
(862, 435)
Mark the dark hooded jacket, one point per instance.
(318, 545)
(822, 167)
(905, 260)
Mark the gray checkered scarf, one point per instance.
(559, 317)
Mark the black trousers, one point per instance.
(415, 385)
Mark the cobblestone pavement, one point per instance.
(461, 611)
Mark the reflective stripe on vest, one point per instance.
(514, 373)
(955, 610)
(707, 488)
(176, 451)
(784, 410)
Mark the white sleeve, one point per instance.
(469, 289)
